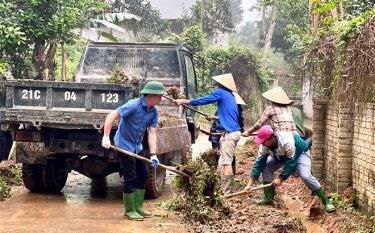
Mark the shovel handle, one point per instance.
(208, 133)
(148, 160)
(245, 191)
(186, 106)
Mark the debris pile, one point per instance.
(201, 199)
(10, 175)
(165, 117)
(119, 76)
(175, 92)
(211, 158)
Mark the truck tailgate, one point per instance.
(48, 103)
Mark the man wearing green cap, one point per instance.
(136, 117)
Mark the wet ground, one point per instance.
(83, 206)
(86, 206)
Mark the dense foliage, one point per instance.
(31, 30)
(211, 60)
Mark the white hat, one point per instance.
(277, 95)
(226, 80)
(238, 98)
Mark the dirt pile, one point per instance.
(247, 216)
(200, 199)
(346, 219)
(211, 158)
(174, 92)
(10, 175)
(119, 76)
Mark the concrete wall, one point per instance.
(343, 148)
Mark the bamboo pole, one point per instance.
(245, 191)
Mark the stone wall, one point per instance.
(342, 151)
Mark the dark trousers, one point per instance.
(134, 171)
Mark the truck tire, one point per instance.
(55, 176)
(155, 182)
(32, 176)
(5, 144)
(49, 178)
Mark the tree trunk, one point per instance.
(271, 30)
(50, 61)
(342, 10)
(39, 58)
(264, 21)
(63, 63)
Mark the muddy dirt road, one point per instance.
(85, 206)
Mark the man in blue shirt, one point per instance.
(135, 118)
(229, 115)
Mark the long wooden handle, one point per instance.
(186, 106)
(208, 133)
(245, 191)
(148, 160)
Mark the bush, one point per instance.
(4, 189)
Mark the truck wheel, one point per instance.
(32, 175)
(155, 182)
(5, 145)
(55, 176)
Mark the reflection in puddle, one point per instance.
(295, 207)
(80, 189)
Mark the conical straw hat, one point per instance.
(239, 100)
(277, 95)
(226, 80)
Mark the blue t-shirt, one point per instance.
(227, 108)
(135, 118)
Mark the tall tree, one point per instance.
(271, 28)
(236, 11)
(44, 24)
(214, 15)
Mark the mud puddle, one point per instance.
(83, 206)
(295, 206)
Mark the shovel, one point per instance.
(209, 133)
(148, 160)
(245, 191)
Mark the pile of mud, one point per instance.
(174, 93)
(10, 175)
(200, 198)
(119, 76)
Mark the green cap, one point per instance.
(153, 87)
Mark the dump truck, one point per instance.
(58, 126)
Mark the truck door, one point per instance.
(191, 91)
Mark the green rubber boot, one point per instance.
(129, 206)
(328, 206)
(139, 199)
(269, 195)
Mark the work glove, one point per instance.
(106, 142)
(154, 160)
